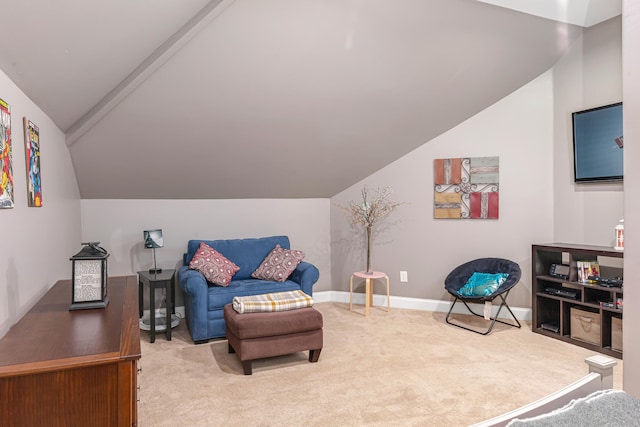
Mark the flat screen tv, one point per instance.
(598, 146)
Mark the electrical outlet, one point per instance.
(404, 277)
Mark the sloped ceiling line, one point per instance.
(278, 108)
(153, 62)
(585, 13)
(263, 83)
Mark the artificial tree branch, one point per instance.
(375, 206)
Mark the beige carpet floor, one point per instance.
(404, 368)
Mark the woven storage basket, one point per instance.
(585, 326)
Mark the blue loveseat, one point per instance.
(204, 302)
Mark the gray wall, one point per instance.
(519, 130)
(530, 130)
(589, 75)
(36, 243)
(118, 224)
(631, 98)
(538, 200)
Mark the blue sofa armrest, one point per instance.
(306, 275)
(191, 281)
(195, 288)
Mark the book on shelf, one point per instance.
(587, 269)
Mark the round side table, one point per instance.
(368, 288)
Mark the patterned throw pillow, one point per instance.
(213, 265)
(278, 265)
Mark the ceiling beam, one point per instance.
(153, 62)
(584, 13)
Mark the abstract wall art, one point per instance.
(466, 188)
(6, 163)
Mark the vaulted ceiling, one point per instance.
(225, 99)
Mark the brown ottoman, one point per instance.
(258, 335)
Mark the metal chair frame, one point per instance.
(493, 319)
(453, 283)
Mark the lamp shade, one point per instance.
(153, 239)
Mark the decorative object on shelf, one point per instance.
(619, 230)
(466, 188)
(588, 271)
(6, 163)
(89, 278)
(152, 240)
(32, 155)
(374, 206)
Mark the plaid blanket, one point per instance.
(277, 301)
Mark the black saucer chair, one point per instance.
(461, 274)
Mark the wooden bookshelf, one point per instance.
(552, 313)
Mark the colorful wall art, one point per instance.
(6, 164)
(32, 154)
(466, 188)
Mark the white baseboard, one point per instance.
(396, 302)
(417, 304)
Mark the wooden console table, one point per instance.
(73, 368)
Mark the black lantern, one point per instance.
(89, 278)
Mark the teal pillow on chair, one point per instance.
(482, 284)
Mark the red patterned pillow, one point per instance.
(278, 265)
(213, 265)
